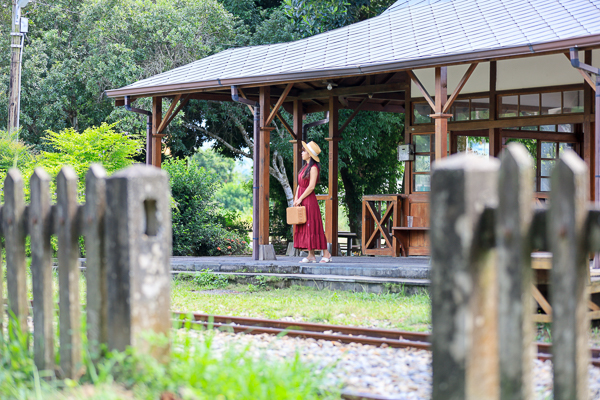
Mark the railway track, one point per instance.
(340, 333)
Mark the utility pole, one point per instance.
(19, 27)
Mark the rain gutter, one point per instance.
(148, 127)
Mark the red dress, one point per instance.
(309, 235)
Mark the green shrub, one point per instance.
(200, 227)
(207, 279)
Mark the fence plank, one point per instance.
(138, 248)
(569, 294)
(41, 270)
(97, 298)
(464, 334)
(515, 306)
(13, 222)
(68, 273)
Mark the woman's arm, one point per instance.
(314, 174)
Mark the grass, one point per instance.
(392, 310)
(193, 372)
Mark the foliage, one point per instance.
(317, 16)
(193, 370)
(14, 154)
(196, 226)
(207, 279)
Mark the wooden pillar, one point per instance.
(494, 133)
(441, 120)
(331, 207)
(298, 115)
(156, 138)
(588, 145)
(266, 251)
(408, 117)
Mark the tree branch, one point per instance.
(219, 139)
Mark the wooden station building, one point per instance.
(470, 75)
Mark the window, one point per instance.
(549, 153)
(544, 154)
(424, 153)
(478, 145)
(461, 110)
(422, 112)
(532, 104)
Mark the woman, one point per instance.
(310, 236)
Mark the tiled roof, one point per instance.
(409, 34)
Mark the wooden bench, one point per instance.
(403, 233)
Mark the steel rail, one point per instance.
(340, 333)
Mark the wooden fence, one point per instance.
(483, 230)
(126, 223)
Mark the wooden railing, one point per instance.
(126, 223)
(483, 228)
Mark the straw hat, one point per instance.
(313, 150)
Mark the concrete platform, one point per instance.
(408, 275)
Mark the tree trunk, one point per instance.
(278, 172)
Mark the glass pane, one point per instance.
(547, 166)
(422, 183)
(551, 103)
(422, 112)
(545, 184)
(422, 143)
(564, 146)
(478, 145)
(461, 110)
(548, 150)
(548, 128)
(573, 101)
(513, 128)
(508, 106)
(529, 128)
(565, 128)
(529, 104)
(422, 163)
(480, 108)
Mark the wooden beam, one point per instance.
(585, 75)
(264, 167)
(351, 90)
(278, 104)
(418, 83)
(441, 119)
(351, 117)
(298, 114)
(331, 205)
(182, 104)
(351, 105)
(461, 84)
(156, 138)
(507, 122)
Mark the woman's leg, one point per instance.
(326, 254)
(311, 255)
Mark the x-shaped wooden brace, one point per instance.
(380, 222)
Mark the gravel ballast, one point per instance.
(390, 372)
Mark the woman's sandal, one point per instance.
(325, 260)
(306, 261)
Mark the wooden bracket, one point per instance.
(278, 104)
(351, 117)
(170, 114)
(461, 84)
(439, 116)
(422, 89)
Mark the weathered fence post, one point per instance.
(41, 269)
(464, 315)
(13, 227)
(515, 305)
(97, 298)
(138, 249)
(569, 294)
(68, 272)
